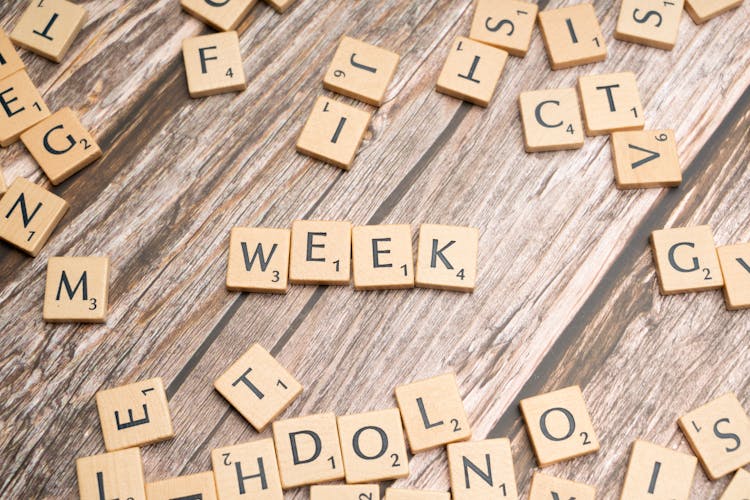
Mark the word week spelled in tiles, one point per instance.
(10, 61)
(703, 10)
(447, 257)
(650, 23)
(345, 492)
(686, 260)
(48, 27)
(247, 470)
(258, 387)
(656, 472)
(199, 486)
(382, 257)
(111, 475)
(505, 24)
(258, 260)
(223, 15)
(213, 64)
(399, 494)
(559, 425)
(738, 487)
(482, 470)
(572, 36)
(735, 269)
(471, 71)
(610, 102)
(645, 159)
(77, 290)
(22, 107)
(551, 120)
(545, 487)
(320, 252)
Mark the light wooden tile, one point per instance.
(247, 470)
(49, 27)
(719, 433)
(400, 494)
(321, 252)
(739, 487)
(193, 487)
(703, 10)
(471, 71)
(28, 215)
(373, 446)
(686, 260)
(645, 159)
(213, 64)
(658, 473)
(258, 387)
(559, 425)
(382, 257)
(433, 412)
(655, 24)
(61, 145)
(345, 492)
(545, 487)
(3, 187)
(22, 107)
(572, 36)
(482, 470)
(77, 290)
(505, 24)
(551, 120)
(10, 61)
(223, 15)
(258, 260)
(361, 71)
(333, 132)
(280, 6)
(610, 102)
(447, 257)
(735, 269)
(114, 475)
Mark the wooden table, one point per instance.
(567, 292)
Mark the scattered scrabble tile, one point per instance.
(280, 5)
(28, 215)
(199, 486)
(382, 257)
(3, 187)
(610, 102)
(77, 290)
(361, 71)
(333, 132)
(686, 260)
(247, 470)
(10, 61)
(551, 120)
(572, 36)
(719, 433)
(545, 487)
(223, 15)
(373, 447)
(345, 492)
(22, 107)
(320, 252)
(447, 257)
(258, 260)
(399, 494)
(111, 475)
(433, 412)
(213, 64)
(739, 487)
(559, 425)
(735, 269)
(258, 387)
(60, 145)
(482, 470)
(505, 24)
(645, 159)
(650, 23)
(471, 71)
(48, 27)
(656, 472)
(703, 10)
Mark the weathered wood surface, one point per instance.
(567, 291)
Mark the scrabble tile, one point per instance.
(361, 71)
(610, 102)
(572, 36)
(656, 472)
(213, 64)
(258, 387)
(551, 120)
(645, 159)
(258, 260)
(134, 414)
(22, 107)
(447, 257)
(111, 475)
(321, 252)
(703, 10)
(77, 290)
(280, 5)
(686, 260)
(382, 257)
(60, 145)
(247, 470)
(3, 187)
(545, 487)
(333, 132)
(482, 470)
(373, 447)
(719, 433)
(433, 412)
(399, 494)
(471, 71)
(10, 61)
(194, 487)
(223, 15)
(735, 269)
(49, 27)
(28, 215)
(739, 487)
(649, 23)
(559, 425)
(505, 24)
(345, 492)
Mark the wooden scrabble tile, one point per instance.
(280, 5)
(482, 470)
(545, 487)
(739, 487)
(735, 269)
(77, 290)
(223, 15)
(258, 260)
(703, 10)
(433, 412)
(333, 132)
(111, 475)
(559, 425)
(213, 64)
(645, 159)
(471, 71)
(399, 494)
(650, 23)
(551, 120)
(656, 472)
(572, 36)
(447, 257)
(361, 71)
(686, 260)
(247, 470)
(28, 215)
(321, 252)
(10, 61)
(194, 487)
(22, 107)
(505, 24)
(719, 433)
(258, 387)
(373, 447)
(3, 187)
(345, 492)
(49, 27)
(382, 257)
(610, 102)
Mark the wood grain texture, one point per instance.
(566, 294)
